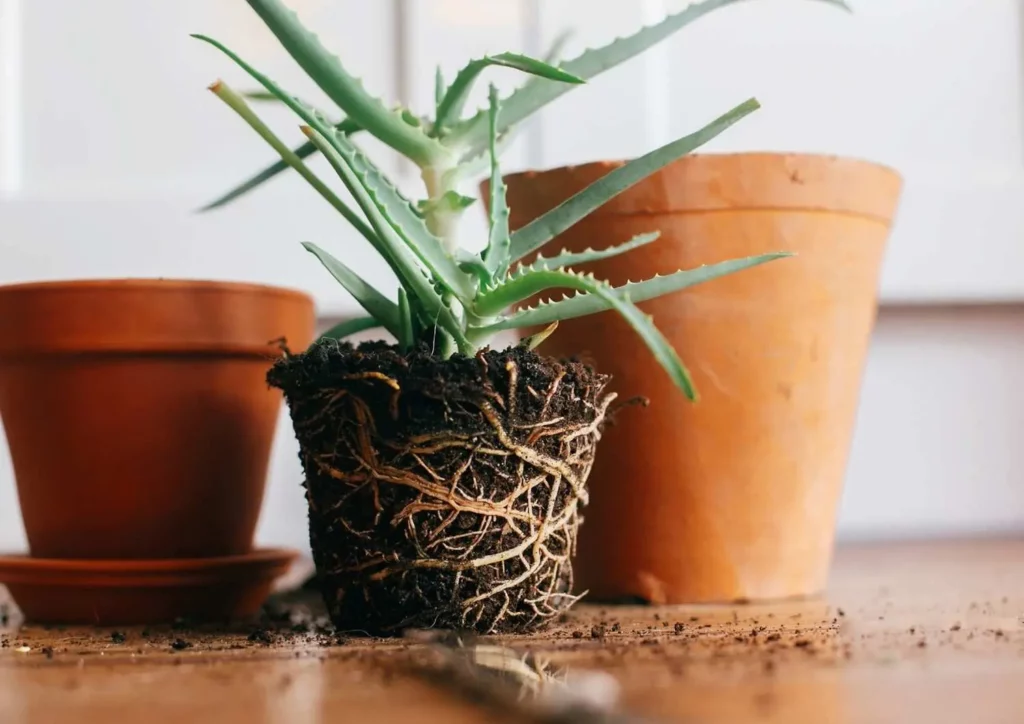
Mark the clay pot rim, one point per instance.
(156, 284)
(722, 182)
(614, 163)
(130, 573)
(179, 303)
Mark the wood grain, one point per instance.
(929, 632)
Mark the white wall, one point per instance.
(108, 140)
(938, 446)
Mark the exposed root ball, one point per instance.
(443, 493)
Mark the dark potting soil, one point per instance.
(442, 493)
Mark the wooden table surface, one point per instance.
(922, 632)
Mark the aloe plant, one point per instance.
(457, 298)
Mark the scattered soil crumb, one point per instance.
(922, 644)
(47, 651)
(841, 612)
(913, 629)
(955, 627)
(597, 632)
(802, 643)
(678, 627)
(772, 637)
(616, 627)
(261, 636)
(118, 637)
(181, 644)
(577, 634)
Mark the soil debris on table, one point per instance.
(262, 636)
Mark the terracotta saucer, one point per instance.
(121, 593)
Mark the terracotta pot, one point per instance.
(137, 413)
(125, 593)
(734, 497)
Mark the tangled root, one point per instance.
(443, 493)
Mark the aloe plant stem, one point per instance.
(442, 219)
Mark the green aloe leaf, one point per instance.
(350, 327)
(376, 304)
(526, 285)
(394, 246)
(496, 255)
(471, 135)
(405, 219)
(263, 96)
(450, 202)
(406, 336)
(472, 165)
(326, 70)
(536, 340)
(439, 89)
(541, 230)
(347, 126)
(473, 265)
(450, 108)
(258, 95)
(319, 131)
(289, 158)
(582, 305)
(572, 259)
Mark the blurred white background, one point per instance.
(109, 140)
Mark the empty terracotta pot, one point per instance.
(137, 413)
(735, 496)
